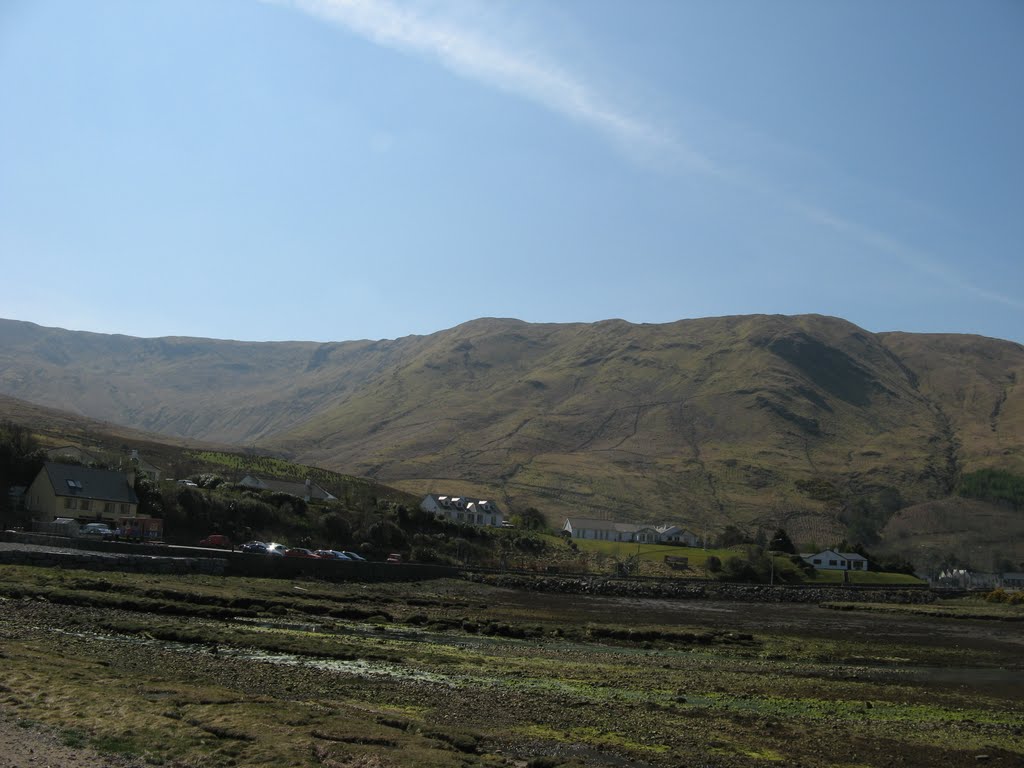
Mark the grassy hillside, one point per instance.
(977, 384)
(807, 422)
(699, 420)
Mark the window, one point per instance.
(108, 508)
(70, 503)
(125, 509)
(817, 561)
(85, 505)
(832, 562)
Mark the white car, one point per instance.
(276, 549)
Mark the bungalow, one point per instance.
(602, 530)
(830, 560)
(1012, 580)
(147, 468)
(673, 534)
(308, 491)
(463, 509)
(67, 490)
(609, 530)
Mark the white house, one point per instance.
(602, 530)
(308, 491)
(609, 530)
(830, 560)
(673, 534)
(463, 509)
(965, 579)
(1012, 580)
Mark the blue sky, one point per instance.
(333, 170)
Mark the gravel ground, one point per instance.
(36, 746)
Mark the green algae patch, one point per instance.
(594, 737)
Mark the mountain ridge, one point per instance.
(707, 421)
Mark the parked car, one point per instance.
(353, 555)
(218, 540)
(394, 557)
(254, 547)
(330, 554)
(298, 552)
(276, 549)
(101, 530)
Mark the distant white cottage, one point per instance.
(307, 491)
(609, 530)
(829, 560)
(463, 509)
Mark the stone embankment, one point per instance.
(100, 561)
(680, 590)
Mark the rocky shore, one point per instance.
(683, 590)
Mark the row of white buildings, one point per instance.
(464, 509)
(474, 511)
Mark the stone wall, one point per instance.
(263, 566)
(710, 590)
(99, 561)
(95, 554)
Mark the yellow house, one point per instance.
(84, 493)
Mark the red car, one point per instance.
(298, 552)
(218, 540)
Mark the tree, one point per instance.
(781, 542)
(337, 529)
(532, 519)
(385, 534)
(20, 461)
(731, 536)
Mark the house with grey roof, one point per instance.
(610, 530)
(600, 530)
(830, 560)
(83, 493)
(307, 491)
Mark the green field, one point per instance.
(601, 557)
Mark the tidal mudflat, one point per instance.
(190, 671)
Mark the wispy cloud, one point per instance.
(883, 243)
(547, 83)
(525, 73)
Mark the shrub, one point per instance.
(993, 485)
(336, 528)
